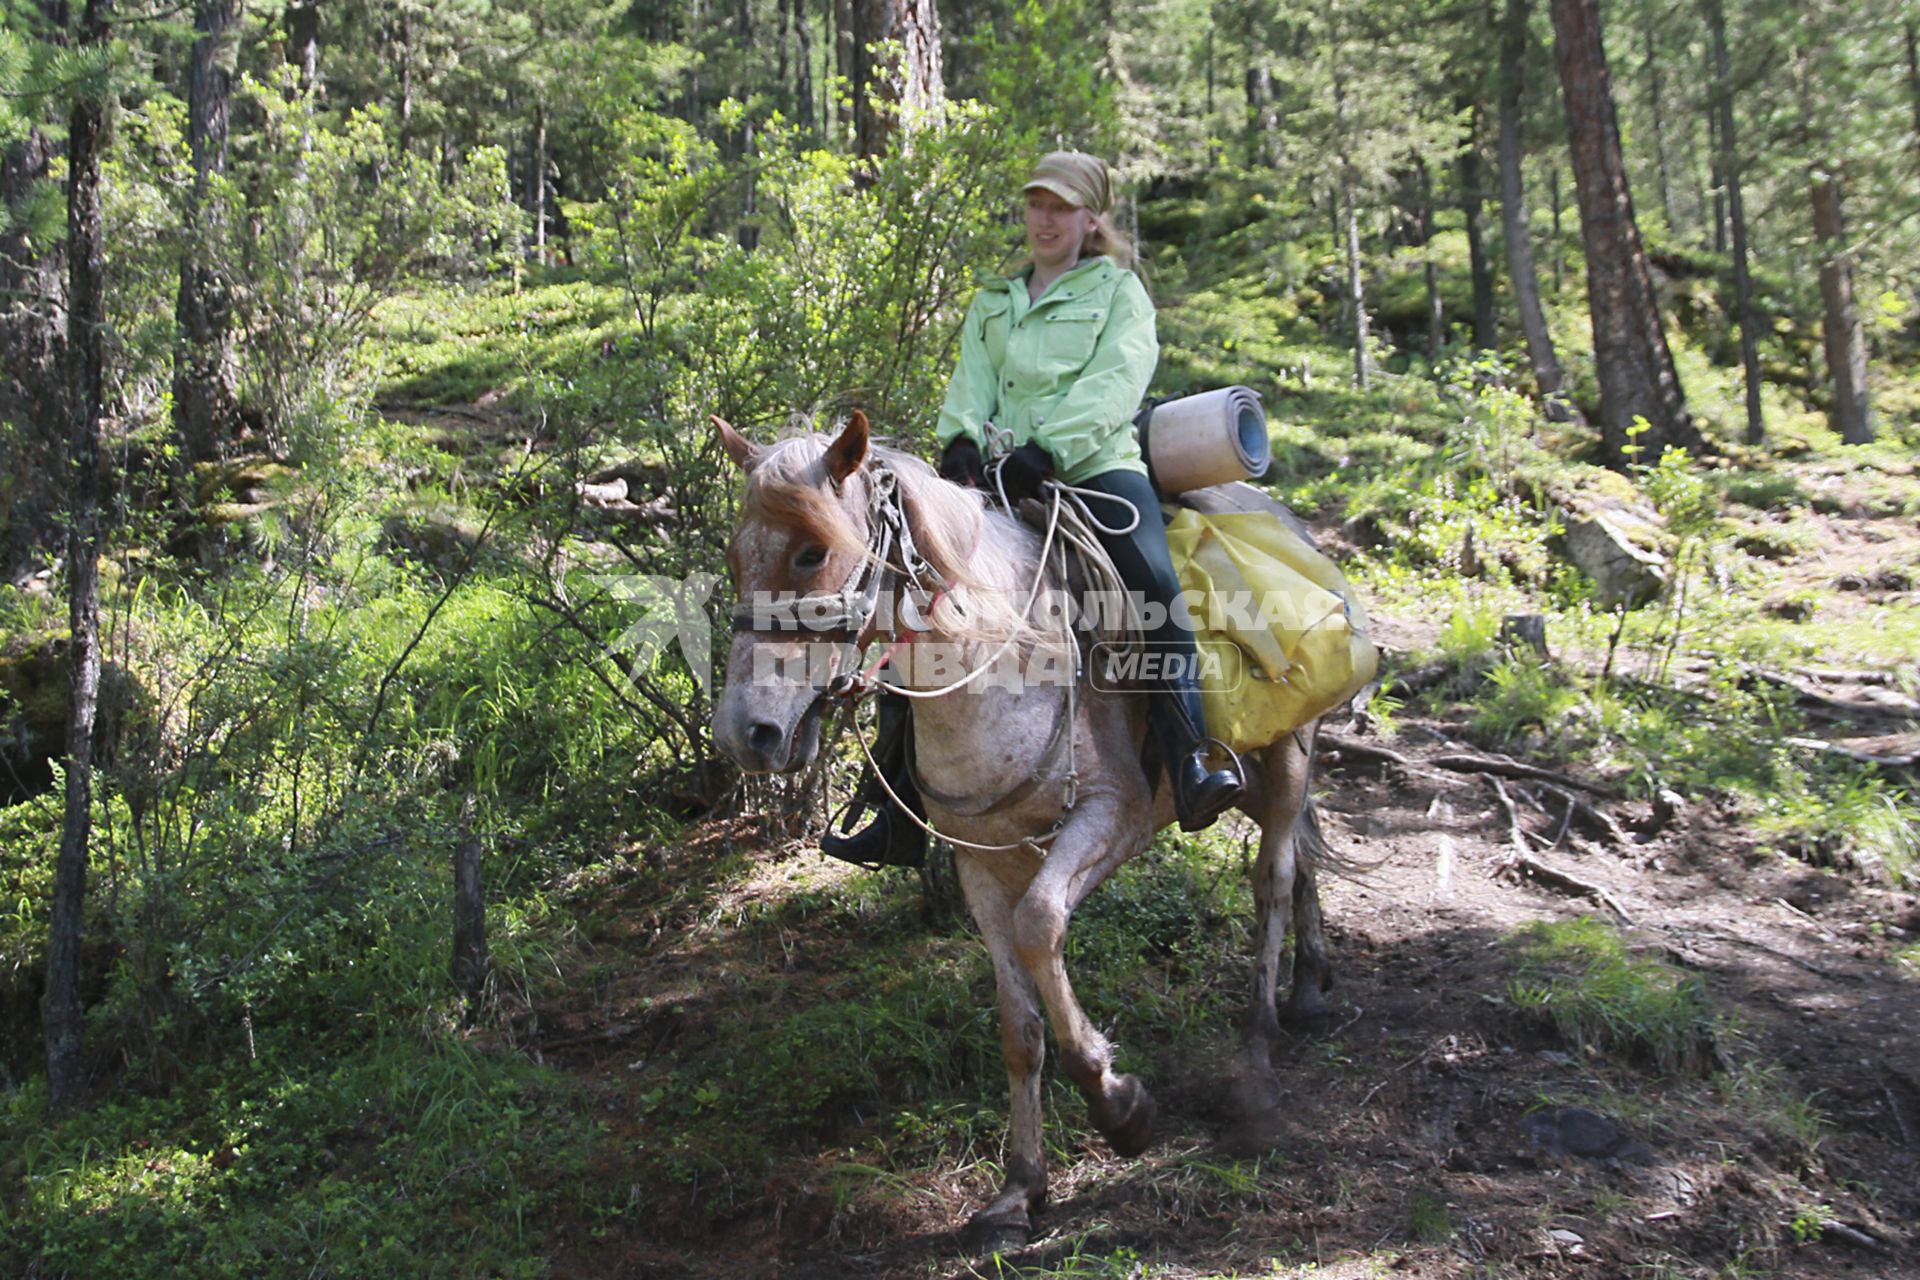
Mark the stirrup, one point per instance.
(1201, 819)
(893, 846)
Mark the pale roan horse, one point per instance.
(990, 759)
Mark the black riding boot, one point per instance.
(891, 839)
(1179, 726)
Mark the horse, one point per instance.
(1038, 783)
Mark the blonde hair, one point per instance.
(1110, 240)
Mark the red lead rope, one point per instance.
(862, 683)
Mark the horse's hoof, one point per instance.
(1126, 1121)
(997, 1231)
(1313, 1020)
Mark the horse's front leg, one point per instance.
(1096, 840)
(1007, 1223)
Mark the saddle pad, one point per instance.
(1282, 636)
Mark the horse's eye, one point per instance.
(811, 556)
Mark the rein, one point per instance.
(850, 610)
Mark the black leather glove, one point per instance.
(962, 464)
(1022, 471)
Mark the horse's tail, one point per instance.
(1311, 849)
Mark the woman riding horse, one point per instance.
(1054, 361)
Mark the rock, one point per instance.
(1794, 608)
(1576, 1131)
(1622, 571)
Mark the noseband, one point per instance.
(849, 611)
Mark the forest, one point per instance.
(375, 900)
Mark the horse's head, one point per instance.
(802, 535)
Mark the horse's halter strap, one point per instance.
(850, 610)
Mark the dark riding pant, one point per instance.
(1142, 558)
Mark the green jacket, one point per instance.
(1068, 371)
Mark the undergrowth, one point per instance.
(1580, 977)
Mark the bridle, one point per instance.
(849, 612)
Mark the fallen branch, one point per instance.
(1907, 761)
(1522, 863)
(1854, 1236)
(1500, 766)
(1602, 822)
(1808, 697)
(1462, 762)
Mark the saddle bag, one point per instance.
(1283, 638)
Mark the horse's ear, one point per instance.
(743, 451)
(849, 448)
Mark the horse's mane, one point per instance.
(986, 558)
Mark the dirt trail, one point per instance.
(1428, 1132)
(1414, 1143)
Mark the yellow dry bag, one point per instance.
(1282, 637)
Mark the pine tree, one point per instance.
(1636, 373)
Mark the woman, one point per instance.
(1054, 362)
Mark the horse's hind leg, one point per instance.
(1277, 887)
(1006, 1223)
(1307, 1006)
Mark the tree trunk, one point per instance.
(1635, 367)
(888, 94)
(1473, 204)
(1715, 15)
(846, 61)
(1845, 343)
(1436, 308)
(802, 67)
(1356, 286)
(62, 1018)
(1350, 229)
(1262, 120)
(1913, 76)
(303, 42)
(1656, 109)
(537, 192)
(205, 415)
(470, 959)
(1513, 216)
(783, 55)
(1717, 180)
(33, 353)
(403, 42)
(1559, 252)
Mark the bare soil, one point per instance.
(1408, 1148)
(1412, 1140)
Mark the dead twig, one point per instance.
(1603, 823)
(1825, 934)
(1899, 1117)
(1462, 762)
(1522, 863)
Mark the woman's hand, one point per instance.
(1022, 471)
(962, 464)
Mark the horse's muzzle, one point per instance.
(762, 745)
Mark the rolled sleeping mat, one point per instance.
(1212, 438)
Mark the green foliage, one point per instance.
(1583, 979)
(1579, 976)
(1845, 817)
(291, 1163)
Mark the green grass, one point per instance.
(1580, 977)
(1907, 960)
(405, 1157)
